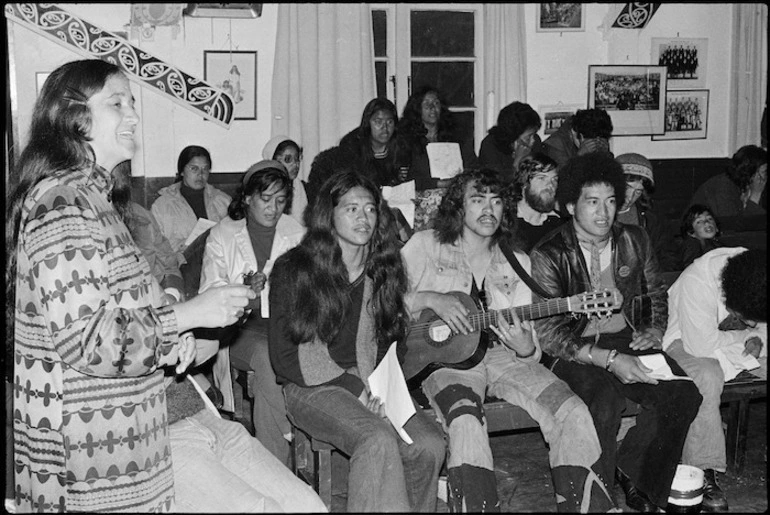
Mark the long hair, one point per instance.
(512, 121)
(315, 278)
(744, 164)
(186, 155)
(365, 133)
(411, 125)
(449, 219)
(121, 194)
(261, 180)
(58, 140)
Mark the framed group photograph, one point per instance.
(633, 96)
(555, 115)
(560, 17)
(236, 74)
(686, 115)
(685, 59)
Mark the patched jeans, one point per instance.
(386, 473)
(457, 396)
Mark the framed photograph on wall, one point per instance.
(235, 73)
(559, 17)
(554, 115)
(686, 115)
(686, 59)
(633, 96)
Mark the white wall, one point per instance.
(557, 67)
(557, 71)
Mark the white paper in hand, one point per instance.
(401, 197)
(660, 369)
(387, 382)
(445, 160)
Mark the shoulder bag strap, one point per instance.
(511, 257)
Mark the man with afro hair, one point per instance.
(717, 327)
(600, 358)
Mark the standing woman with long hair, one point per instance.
(90, 331)
(336, 306)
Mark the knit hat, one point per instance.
(262, 165)
(269, 151)
(636, 164)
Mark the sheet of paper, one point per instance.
(660, 369)
(387, 382)
(445, 160)
(401, 197)
(201, 226)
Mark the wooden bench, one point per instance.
(324, 467)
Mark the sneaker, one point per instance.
(713, 497)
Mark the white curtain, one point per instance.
(323, 74)
(748, 88)
(505, 58)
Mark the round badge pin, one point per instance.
(624, 271)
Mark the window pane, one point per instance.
(442, 34)
(454, 80)
(381, 76)
(380, 32)
(464, 122)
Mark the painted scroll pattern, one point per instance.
(90, 41)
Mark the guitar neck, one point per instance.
(482, 320)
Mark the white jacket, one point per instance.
(177, 219)
(229, 255)
(695, 309)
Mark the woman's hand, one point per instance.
(187, 351)
(650, 338)
(753, 346)
(630, 369)
(373, 404)
(517, 335)
(218, 307)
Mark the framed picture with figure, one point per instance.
(686, 115)
(555, 115)
(633, 96)
(685, 59)
(236, 74)
(560, 17)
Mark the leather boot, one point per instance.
(713, 497)
(635, 499)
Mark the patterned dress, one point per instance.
(89, 411)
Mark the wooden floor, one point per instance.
(524, 480)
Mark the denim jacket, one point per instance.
(442, 268)
(559, 267)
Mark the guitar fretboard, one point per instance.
(482, 320)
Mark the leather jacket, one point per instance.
(559, 267)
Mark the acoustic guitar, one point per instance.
(432, 345)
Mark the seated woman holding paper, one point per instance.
(426, 119)
(191, 198)
(241, 249)
(336, 303)
(371, 148)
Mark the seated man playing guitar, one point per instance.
(462, 254)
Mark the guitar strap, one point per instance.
(511, 257)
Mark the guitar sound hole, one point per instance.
(439, 334)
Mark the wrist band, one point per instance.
(610, 359)
(591, 358)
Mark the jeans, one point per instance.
(386, 473)
(219, 467)
(651, 449)
(269, 411)
(705, 446)
(457, 396)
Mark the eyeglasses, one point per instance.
(382, 122)
(198, 169)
